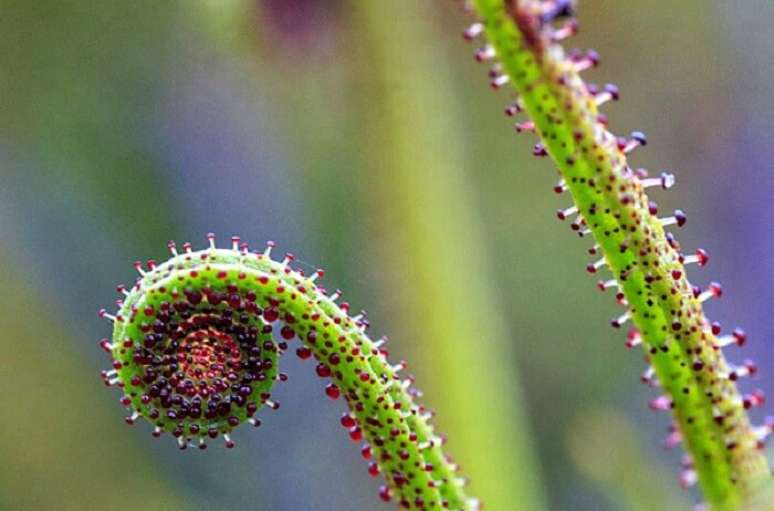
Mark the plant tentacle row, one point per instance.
(195, 349)
(682, 346)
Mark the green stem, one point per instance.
(696, 379)
(194, 354)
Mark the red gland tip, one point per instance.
(639, 137)
(562, 214)
(569, 29)
(332, 391)
(672, 241)
(680, 218)
(593, 56)
(667, 180)
(633, 338)
(620, 320)
(473, 31)
(384, 493)
(702, 257)
(556, 9)
(348, 421)
(612, 89)
(499, 81)
(740, 336)
(513, 109)
(660, 404)
(641, 173)
(484, 53)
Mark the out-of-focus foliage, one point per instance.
(125, 124)
(60, 450)
(604, 447)
(416, 160)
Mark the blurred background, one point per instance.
(362, 137)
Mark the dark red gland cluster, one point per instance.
(196, 362)
(202, 368)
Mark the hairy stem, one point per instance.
(195, 353)
(698, 383)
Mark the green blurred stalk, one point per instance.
(433, 245)
(62, 447)
(82, 81)
(605, 447)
